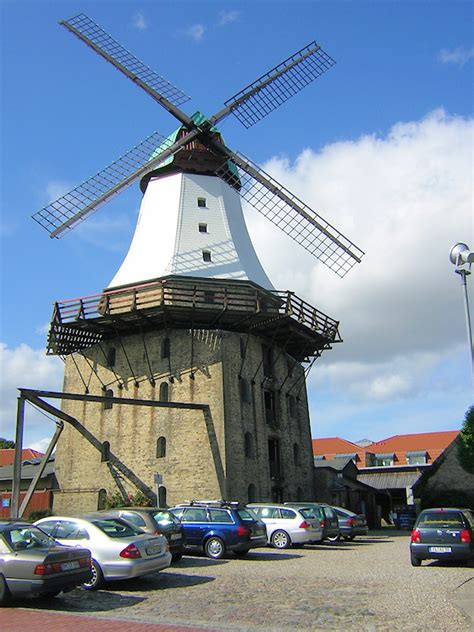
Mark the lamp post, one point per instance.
(463, 258)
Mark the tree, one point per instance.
(6, 443)
(466, 442)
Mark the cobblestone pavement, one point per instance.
(367, 585)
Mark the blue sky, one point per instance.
(381, 145)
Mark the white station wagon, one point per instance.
(288, 525)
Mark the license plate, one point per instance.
(440, 549)
(69, 566)
(176, 536)
(153, 549)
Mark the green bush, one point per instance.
(36, 514)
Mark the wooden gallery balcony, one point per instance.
(192, 303)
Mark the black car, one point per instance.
(442, 534)
(350, 523)
(154, 520)
(32, 563)
(216, 527)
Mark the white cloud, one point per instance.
(458, 56)
(139, 21)
(405, 199)
(56, 189)
(196, 32)
(24, 367)
(227, 17)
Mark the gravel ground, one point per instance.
(367, 584)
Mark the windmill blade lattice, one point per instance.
(275, 87)
(293, 217)
(76, 205)
(100, 41)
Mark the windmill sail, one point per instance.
(309, 229)
(276, 86)
(156, 86)
(70, 209)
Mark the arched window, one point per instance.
(161, 448)
(252, 493)
(292, 406)
(296, 454)
(111, 355)
(166, 348)
(162, 496)
(249, 447)
(101, 498)
(164, 392)
(244, 390)
(108, 393)
(105, 452)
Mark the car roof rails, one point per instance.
(212, 503)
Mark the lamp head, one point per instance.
(460, 255)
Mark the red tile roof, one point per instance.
(7, 455)
(330, 446)
(434, 443)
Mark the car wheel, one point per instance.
(97, 578)
(415, 561)
(334, 538)
(214, 548)
(280, 540)
(4, 592)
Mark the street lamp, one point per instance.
(463, 258)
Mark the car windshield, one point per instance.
(165, 518)
(116, 528)
(28, 538)
(448, 519)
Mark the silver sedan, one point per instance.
(119, 550)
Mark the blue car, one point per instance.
(216, 527)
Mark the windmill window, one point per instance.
(165, 348)
(108, 393)
(252, 493)
(292, 406)
(267, 361)
(203, 228)
(162, 496)
(206, 255)
(249, 447)
(269, 407)
(296, 454)
(244, 390)
(202, 202)
(161, 448)
(164, 392)
(105, 452)
(111, 357)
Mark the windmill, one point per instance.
(191, 295)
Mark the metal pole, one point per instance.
(41, 468)
(20, 422)
(464, 274)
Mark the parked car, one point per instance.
(327, 517)
(442, 534)
(154, 520)
(288, 525)
(216, 527)
(32, 563)
(350, 523)
(119, 550)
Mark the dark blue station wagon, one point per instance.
(218, 527)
